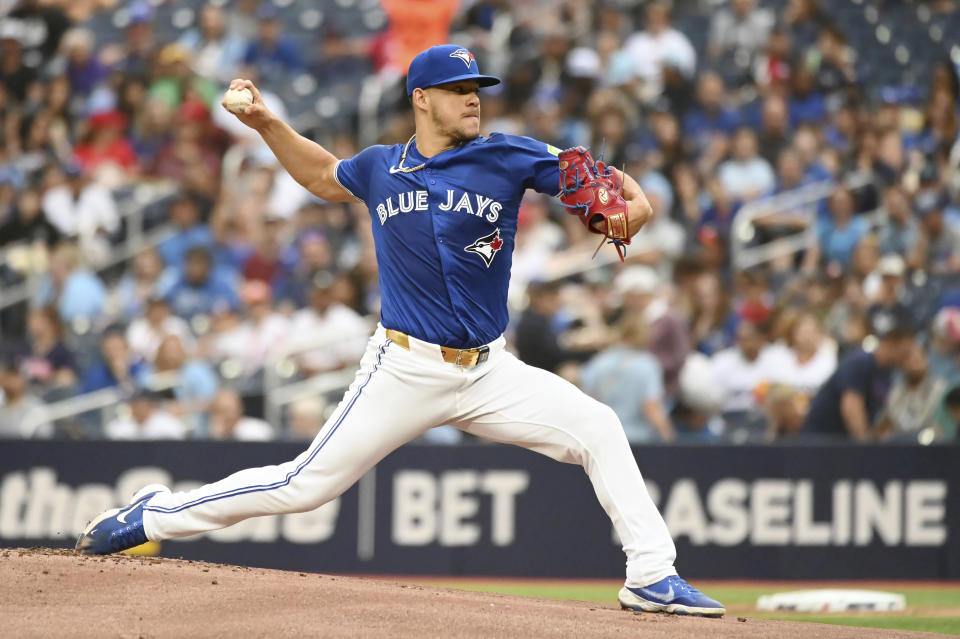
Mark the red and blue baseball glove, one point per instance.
(593, 191)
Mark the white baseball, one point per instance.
(236, 99)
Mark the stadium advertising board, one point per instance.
(735, 512)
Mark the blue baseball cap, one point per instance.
(445, 63)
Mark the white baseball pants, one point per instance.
(396, 396)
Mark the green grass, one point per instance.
(930, 608)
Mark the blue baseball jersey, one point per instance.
(445, 233)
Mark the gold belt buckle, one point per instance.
(483, 353)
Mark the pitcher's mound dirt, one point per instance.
(57, 593)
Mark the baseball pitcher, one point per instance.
(444, 212)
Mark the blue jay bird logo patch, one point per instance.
(486, 247)
(465, 56)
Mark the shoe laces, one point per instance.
(128, 536)
(681, 587)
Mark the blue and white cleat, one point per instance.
(118, 529)
(672, 595)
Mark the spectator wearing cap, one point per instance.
(851, 400)
(200, 290)
(536, 335)
(898, 234)
(628, 378)
(192, 158)
(885, 287)
(118, 366)
(227, 421)
(937, 246)
(643, 294)
(74, 290)
(145, 333)
(176, 82)
(911, 406)
(18, 406)
(188, 231)
(83, 209)
(84, 68)
(106, 146)
(272, 54)
(328, 321)
(146, 421)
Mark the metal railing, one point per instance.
(131, 210)
(69, 408)
(799, 204)
(279, 390)
(101, 400)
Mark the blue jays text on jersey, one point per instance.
(444, 232)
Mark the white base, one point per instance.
(833, 600)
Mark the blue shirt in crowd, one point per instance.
(625, 379)
(857, 372)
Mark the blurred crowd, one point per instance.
(170, 266)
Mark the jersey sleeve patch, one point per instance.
(552, 150)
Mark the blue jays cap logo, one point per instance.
(463, 55)
(486, 247)
(435, 66)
